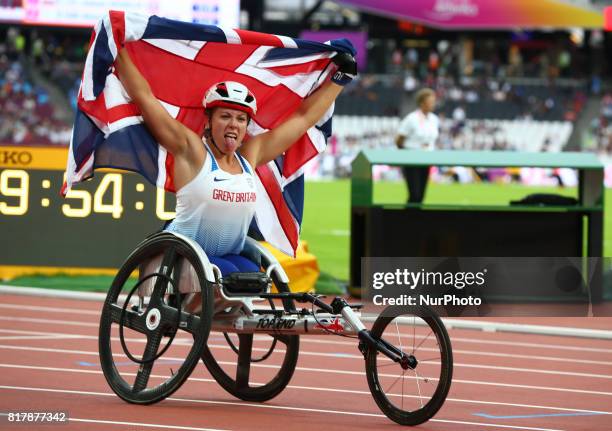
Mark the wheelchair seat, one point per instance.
(229, 288)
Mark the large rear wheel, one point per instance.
(148, 343)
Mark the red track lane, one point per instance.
(49, 361)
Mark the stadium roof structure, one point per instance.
(488, 14)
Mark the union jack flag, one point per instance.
(181, 61)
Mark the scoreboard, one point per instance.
(95, 227)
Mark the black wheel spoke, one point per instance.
(389, 364)
(169, 315)
(189, 323)
(131, 319)
(168, 263)
(395, 381)
(235, 379)
(422, 341)
(142, 377)
(244, 360)
(176, 274)
(285, 339)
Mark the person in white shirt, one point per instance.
(419, 130)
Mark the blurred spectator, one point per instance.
(599, 138)
(419, 130)
(27, 116)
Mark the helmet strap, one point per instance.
(215, 145)
(209, 136)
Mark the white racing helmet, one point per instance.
(231, 94)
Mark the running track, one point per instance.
(502, 381)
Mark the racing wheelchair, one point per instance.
(169, 306)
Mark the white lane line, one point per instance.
(50, 309)
(140, 424)
(477, 353)
(532, 370)
(179, 340)
(487, 353)
(276, 407)
(487, 326)
(21, 331)
(330, 371)
(477, 366)
(39, 368)
(310, 388)
(41, 293)
(531, 357)
(136, 424)
(526, 328)
(307, 353)
(47, 321)
(455, 339)
(534, 345)
(493, 425)
(38, 337)
(477, 340)
(188, 342)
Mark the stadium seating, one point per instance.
(540, 102)
(370, 96)
(28, 117)
(522, 135)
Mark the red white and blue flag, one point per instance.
(181, 61)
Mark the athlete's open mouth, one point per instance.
(230, 138)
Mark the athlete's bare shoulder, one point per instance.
(188, 163)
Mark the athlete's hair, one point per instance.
(423, 94)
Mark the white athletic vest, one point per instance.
(216, 207)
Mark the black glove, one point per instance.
(347, 68)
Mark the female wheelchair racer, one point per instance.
(193, 279)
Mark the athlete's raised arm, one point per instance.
(170, 133)
(267, 146)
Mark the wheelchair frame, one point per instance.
(236, 312)
(339, 318)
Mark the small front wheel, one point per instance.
(411, 392)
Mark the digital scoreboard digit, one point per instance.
(96, 226)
